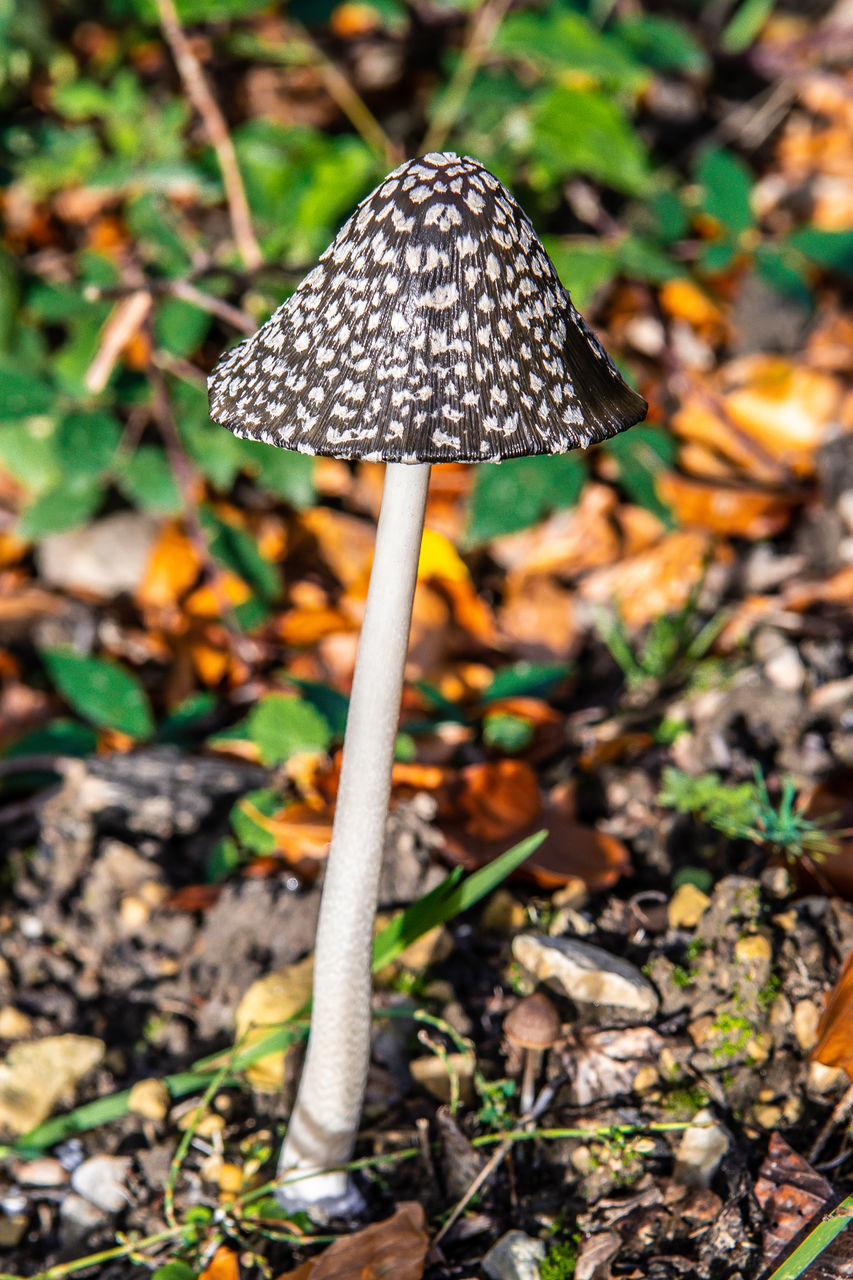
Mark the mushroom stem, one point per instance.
(532, 1063)
(324, 1122)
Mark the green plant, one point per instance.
(673, 644)
(561, 1260)
(745, 811)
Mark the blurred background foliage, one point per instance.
(646, 140)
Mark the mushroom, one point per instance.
(532, 1027)
(433, 329)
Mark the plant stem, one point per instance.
(324, 1121)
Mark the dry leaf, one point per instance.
(223, 1266)
(834, 1046)
(739, 512)
(568, 542)
(791, 1194)
(396, 1247)
(656, 581)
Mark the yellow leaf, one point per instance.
(440, 559)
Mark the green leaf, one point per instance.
(507, 733)
(512, 495)
(525, 680)
(583, 265)
(147, 480)
(23, 392)
(101, 690)
(561, 41)
(59, 510)
(236, 550)
(663, 43)
(86, 443)
(283, 472)
(641, 454)
(830, 249)
(745, 24)
(183, 724)
(332, 705)
(245, 826)
(448, 900)
(180, 327)
(583, 131)
(282, 725)
(62, 737)
(728, 187)
(174, 1270)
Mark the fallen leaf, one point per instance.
(36, 1075)
(440, 559)
(659, 580)
(396, 1247)
(224, 1265)
(568, 542)
(489, 804)
(791, 1195)
(742, 512)
(834, 1046)
(171, 570)
(271, 1000)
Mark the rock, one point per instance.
(43, 1172)
(79, 1217)
(150, 1099)
(703, 1145)
(35, 1075)
(101, 1181)
(503, 913)
(515, 1256)
(822, 1082)
(753, 948)
(14, 1025)
(785, 669)
(106, 557)
(272, 1000)
(686, 907)
(229, 1177)
(435, 1075)
(805, 1021)
(586, 974)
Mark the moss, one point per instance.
(560, 1261)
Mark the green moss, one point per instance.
(560, 1261)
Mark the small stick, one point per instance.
(200, 95)
(125, 320)
(840, 1113)
(482, 30)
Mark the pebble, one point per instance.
(515, 1256)
(806, 1018)
(43, 1172)
(14, 1025)
(503, 913)
(209, 1124)
(822, 1081)
(79, 1216)
(686, 907)
(101, 1181)
(229, 1178)
(785, 669)
(586, 974)
(753, 948)
(106, 557)
(150, 1099)
(703, 1145)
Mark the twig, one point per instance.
(356, 109)
(200, 95)
(840, 1112)
(482, 30)
(240, 320)
(125, 320)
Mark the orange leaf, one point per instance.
(396, 1247)
(493, 801)
(834, 1046)
(656, 581)
(741, 512)
(171, 570)
(223, 1266)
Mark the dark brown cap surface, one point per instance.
(433, 329)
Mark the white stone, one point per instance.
(515, 1256)
(586, 974)
(106, 557)
(700, 1150)
(101, 1181)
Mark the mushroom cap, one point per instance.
(433, 329)
(534, 1023)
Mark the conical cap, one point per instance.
(433, 329)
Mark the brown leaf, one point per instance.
(834, 1046)
(396, 1247)
(223, 1266)
(791, 1195)
(653, 582)
(492, 805)
(742, 511)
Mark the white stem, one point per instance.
(325, 1117)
